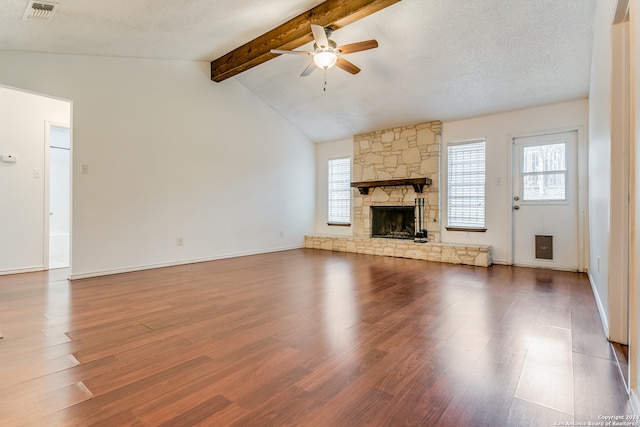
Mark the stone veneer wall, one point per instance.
(404, 152)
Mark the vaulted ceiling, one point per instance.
(436, 60)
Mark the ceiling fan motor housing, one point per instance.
(332, 46)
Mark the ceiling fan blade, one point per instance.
(320, 36)
(309, 69)
(357, 47)
(295, 52)
(347, 66)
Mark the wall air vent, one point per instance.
(39, 11)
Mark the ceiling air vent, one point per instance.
(39, 11)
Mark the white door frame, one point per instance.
(582, 189)
(620, 198)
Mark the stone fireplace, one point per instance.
(393, 168)
(394, 154)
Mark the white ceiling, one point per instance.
(437, 60)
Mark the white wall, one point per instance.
(325, 152)
(22, 195)
(171, 154)
(499, 129)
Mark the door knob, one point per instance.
(516, 198)
(516, 207)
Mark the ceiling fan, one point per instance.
(326, 52)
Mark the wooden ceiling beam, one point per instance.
(293, 34)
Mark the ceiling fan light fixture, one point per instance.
(325, 58)
(326, 52)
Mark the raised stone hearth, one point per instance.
(380, 160)
(478, 255)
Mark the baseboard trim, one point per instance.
(21, 270)
(99, 273)
(601, 311)
(548, 267)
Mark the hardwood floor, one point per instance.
(305, 337)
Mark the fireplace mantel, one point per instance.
(417, 183)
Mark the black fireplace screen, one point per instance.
(394, 222)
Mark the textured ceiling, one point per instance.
(437, 60)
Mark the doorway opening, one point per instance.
(59, 196)
(28, 122)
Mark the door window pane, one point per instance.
(544, 187)
(544, 158)
(544, 171)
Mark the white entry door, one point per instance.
(545, 201)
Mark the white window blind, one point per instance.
(339, 191)
(466, 184)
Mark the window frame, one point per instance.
(459, 226)
(331, 220)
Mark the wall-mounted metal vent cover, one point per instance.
(39, 11)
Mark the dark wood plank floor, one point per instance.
(305, 337)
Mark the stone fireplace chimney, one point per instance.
(398, 153)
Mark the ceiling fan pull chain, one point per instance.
(325, 81)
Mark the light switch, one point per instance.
(37, 173)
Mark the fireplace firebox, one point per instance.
(393, 222)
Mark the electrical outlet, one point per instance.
(84, 169)
(282, 234)
(179, 241)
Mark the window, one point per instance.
(466, 185)
(544, 172)
(339, 192)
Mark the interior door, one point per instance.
(545, 201)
